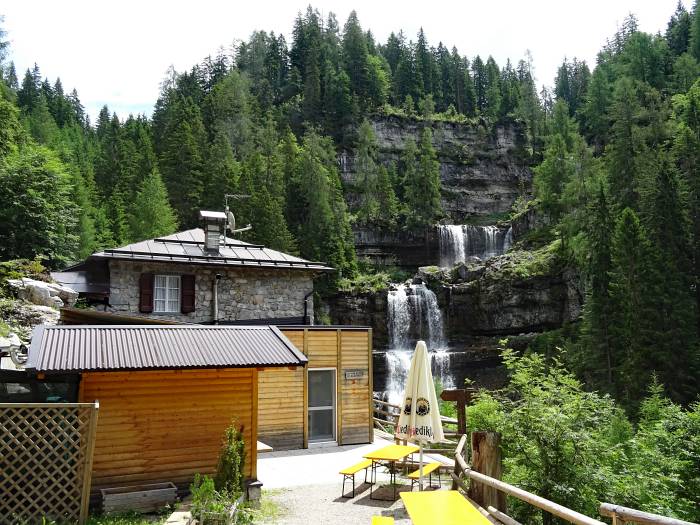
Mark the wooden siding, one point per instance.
(281, 407)
(355, 392)
(157, 426)
(282, 417)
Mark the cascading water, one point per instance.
(508, 240)
(413, 314)
(459, 241)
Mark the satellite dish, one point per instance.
(231, 221)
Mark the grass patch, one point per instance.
(525, 264)
(129, 518)
(270, 511)
(365, 283)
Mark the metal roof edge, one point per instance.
(252, 264)
(35, 346)
(283, 338)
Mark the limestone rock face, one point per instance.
(43, 293)
(482, 171)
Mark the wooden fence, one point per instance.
(46, 460)
(386, 416)
(487, 493)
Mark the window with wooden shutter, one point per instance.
(187, 291)
(146, 293)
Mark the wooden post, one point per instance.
(458, 468)
(486, 459)
(461, 397)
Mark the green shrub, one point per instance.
(229, 470)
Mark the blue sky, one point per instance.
(117, 53)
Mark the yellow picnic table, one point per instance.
(390, 454)
(446, 507)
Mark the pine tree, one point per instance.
(596, 356)
(480, 84)
(366, 171)
(694, 45)
(633, 293)
(355, 57)
(221, 173)
(324, 229)
(678, 30)
(151, 215)
(675, 355)
(625, 147)
(181, 161)
(422, 182)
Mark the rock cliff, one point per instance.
(482, 171)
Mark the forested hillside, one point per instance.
(615, 151)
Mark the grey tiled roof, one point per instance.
(78, 348)
(188, 247)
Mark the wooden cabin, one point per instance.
(166, 392)
(329, 400)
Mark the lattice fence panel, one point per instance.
(45, 461)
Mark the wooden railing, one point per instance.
(487, 503)
(390, 416)
(621, 515)
(463, 472)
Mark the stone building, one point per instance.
(197, 278)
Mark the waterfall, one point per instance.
(459, 241)
(508, 240)
(413, 314)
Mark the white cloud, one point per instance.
(116, 53)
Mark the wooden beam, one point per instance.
(503, 518)
(254, 439)
(537, 501)
(370, 382)
(339, 385)
(306, 389)
(623, 514)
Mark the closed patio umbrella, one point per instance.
(419, 420)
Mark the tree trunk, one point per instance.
(486, 459)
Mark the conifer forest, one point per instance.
(603, 407)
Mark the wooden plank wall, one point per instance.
(282, 409)
(157, 426)
(356, 392)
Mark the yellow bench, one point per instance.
(428, 470)
(349, 473)
(382, 520)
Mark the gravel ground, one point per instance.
(323, 504)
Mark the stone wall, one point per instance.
(244, 293)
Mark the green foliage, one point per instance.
(229, 469)
(521, 264)
(37, 216)
(422, 182)
(151, 215)
(365, 283)
(578, 448)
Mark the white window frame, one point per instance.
(172, 291)
(334, 407)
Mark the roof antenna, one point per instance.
(230, 218)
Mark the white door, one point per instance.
(321, 405)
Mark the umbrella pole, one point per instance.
(420, 467)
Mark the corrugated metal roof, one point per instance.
(188, 246)
(60, 349)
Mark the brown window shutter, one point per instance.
(187, 294)
(146, 295)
